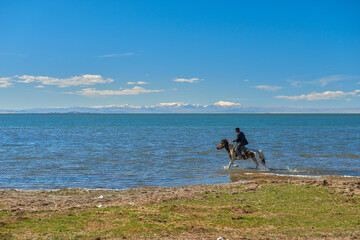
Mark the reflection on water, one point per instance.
(125, 151)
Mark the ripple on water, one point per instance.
(123, 151)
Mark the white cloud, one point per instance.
(246, 80)
(139, 83)
(322, 95)
(226, 104)
(190, 80)
(295, 83)
(268, 88)
(86, 79)
(127, 54)
(323, 81)
(94, 92)
(5, 82)
(39, 86)
(333, 78)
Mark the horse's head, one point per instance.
(222, 144)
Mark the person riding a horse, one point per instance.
(241, 142)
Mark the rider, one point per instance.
(241, 142)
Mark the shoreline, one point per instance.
(252, 206)
(19, 199)
(256, 174)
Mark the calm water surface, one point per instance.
(51, 151)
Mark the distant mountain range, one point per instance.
(179, 107)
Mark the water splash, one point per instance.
(292, 170)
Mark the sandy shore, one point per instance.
(65, 199)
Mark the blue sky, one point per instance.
(254, 53)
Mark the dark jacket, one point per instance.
(241, 139)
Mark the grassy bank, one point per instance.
(254, 210)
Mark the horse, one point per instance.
(256, 156)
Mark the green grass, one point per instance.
(274, 211)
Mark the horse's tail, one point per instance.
(262, 157)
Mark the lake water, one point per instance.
(119, 151)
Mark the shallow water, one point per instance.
(50, 151)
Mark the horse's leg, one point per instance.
(253, 157)
(256, 162)
(263, 163)
(231, 161)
